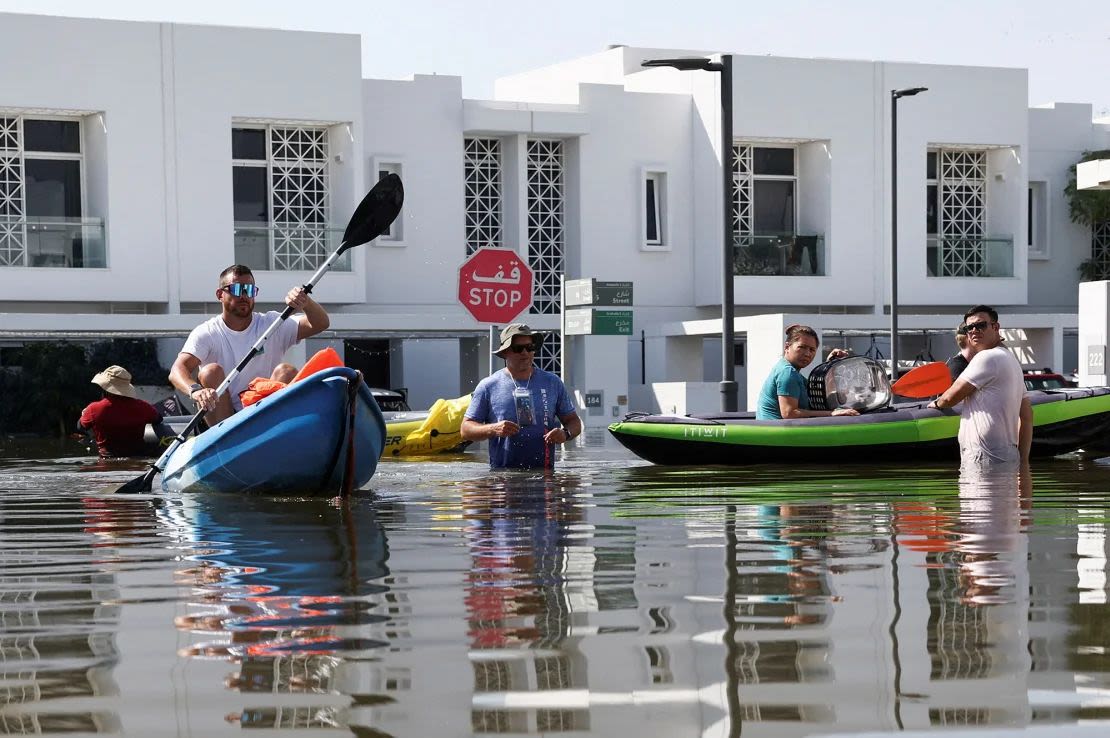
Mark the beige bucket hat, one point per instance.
(115, 379)
(511, 331)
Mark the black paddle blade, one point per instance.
(138, 485)
(376, 211)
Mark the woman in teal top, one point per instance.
(784, 391)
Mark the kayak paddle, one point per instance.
(371, 218)
(924, 381)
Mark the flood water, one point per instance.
(611, 598)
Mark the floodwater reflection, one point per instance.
(605, 599)
(289, 595)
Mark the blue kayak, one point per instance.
(294, 442)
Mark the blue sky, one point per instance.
(1065, 44)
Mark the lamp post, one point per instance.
(894, 95)
(728, 338)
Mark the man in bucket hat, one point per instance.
(118, 420)
(521, 410)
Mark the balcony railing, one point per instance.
(74, 243)
(779, 255)
(288, 248)
(989, 256)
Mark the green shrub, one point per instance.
(49, 383)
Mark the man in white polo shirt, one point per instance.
(996, 419)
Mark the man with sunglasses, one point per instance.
(521, 410)
(216, 346)
(996, 418)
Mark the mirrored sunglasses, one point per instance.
(522, 347)
(239, 289)
(980, 326)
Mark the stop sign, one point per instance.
(495, 285)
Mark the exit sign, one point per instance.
(598, 322)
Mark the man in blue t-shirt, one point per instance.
(519, 409)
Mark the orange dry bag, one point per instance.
(322, 359)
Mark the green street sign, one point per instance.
(613, 322)
(598, 293)
(598, 322)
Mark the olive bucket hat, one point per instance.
(511, 331)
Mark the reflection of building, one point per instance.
(58, 634)
(528, 588)
(680, 609)
(33, 637)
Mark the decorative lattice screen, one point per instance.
(742, 220)
(482, 169)
(963, 213)
(545, 223)
(299, 197)
(13, 240)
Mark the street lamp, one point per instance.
(894, 95)
(728, 338)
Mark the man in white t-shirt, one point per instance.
(996, 419)
(216, 346)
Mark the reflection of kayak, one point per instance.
(407, 433)
(432, 431)
(313, 548)
(294, 441)
(1064, 421)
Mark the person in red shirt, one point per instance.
(118, 420)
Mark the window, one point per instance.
(1037, 220)
(654, 227)
(482, 171)
(932, 196)
(956, 217)
(765, 183)
(764, 214)
(1100, 249)
(280, 198)
(394, 235)
(659, 664)
(42, 196)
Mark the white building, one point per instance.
(128, 184)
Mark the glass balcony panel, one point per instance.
(965, 256)
(72, 243)
(779, 255)
(305, 248)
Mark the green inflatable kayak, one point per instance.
(1064, 421)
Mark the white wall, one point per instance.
(992, 104)
(1058, 135)
(124, 87)
(632, 134)
(264, 75)
(421, 270)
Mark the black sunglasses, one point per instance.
(980, 326)
(521, 347)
